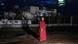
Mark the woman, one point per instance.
(42, 30)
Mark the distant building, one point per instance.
(34, 9)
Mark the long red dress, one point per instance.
(42, 30)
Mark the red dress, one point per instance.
(42, 30)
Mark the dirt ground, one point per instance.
(51, 39)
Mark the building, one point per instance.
(34, 9)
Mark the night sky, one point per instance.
(71, 6)
(28, 2)
(9, 4)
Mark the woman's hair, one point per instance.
(42, 17)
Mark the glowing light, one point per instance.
(61, 0)
(2, 4)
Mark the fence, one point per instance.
(50, 21)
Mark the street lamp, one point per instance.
(61, 2)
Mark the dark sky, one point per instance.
(71, 5)
(8, 4)
(29, 2)
(22, 3)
